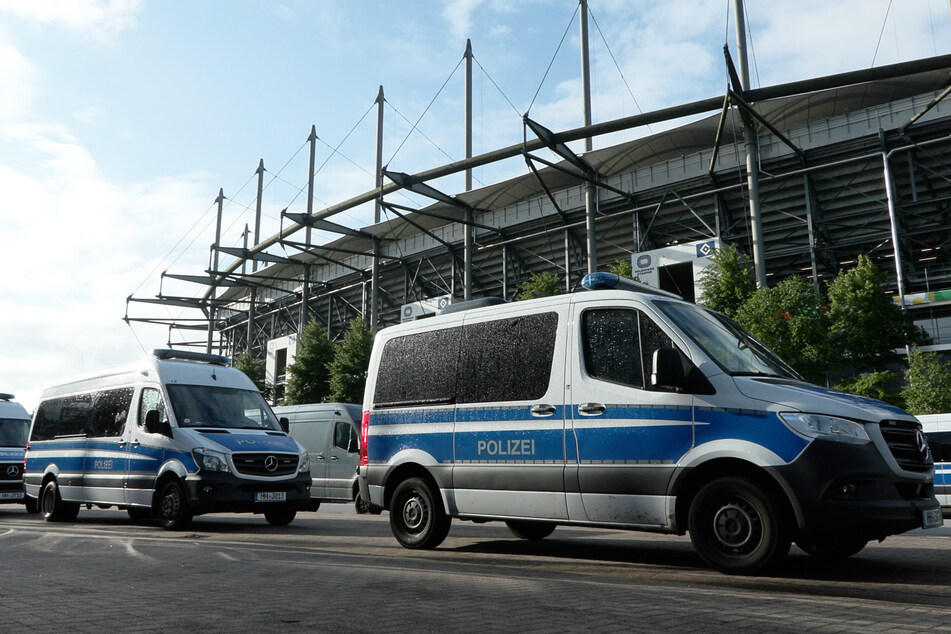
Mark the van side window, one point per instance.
(619, 344)
(110, 412)
(344, 435)
(418, 369)
(507, 359)
(940, 443)
(66, 416)
(151, 399)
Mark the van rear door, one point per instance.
(627, 437)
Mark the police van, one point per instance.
(14, 428)
(625, 407)
(176, 435)
(938, 429)
(330, 433)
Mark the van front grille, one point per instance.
(902, 438)
(265, 464)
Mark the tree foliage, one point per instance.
(927, 384)
(542, 284)
(348, 369)
(622, 268)
(727, 283)
(309, 376)
(876, 385)
(866, 326)
(790, 319)
(247, 364)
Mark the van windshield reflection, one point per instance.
(726, 342)
(14, 432)
(204, 406)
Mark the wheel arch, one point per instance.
(404, 471)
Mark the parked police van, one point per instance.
(14, 429)
(176, 435)
(330, 434)
(626, 407)
(938, 429)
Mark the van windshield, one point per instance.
(14, 432)
(207, 406)
(726, 342)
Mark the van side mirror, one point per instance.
(285, 424)
(155, 425)
(672, 370)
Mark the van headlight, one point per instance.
(825, 427)
(210, 460)
(304, 463)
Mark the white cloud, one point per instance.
(98, 18)
(19, 77)
(459, 15)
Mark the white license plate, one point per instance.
(11, 496)
(931, 518)
(281, 496)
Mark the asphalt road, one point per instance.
(335, 571)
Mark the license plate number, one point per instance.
(270, 496)
(11, 496)
(931, 518)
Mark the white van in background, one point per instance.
(937, 428)
(330, 433)
(14, 430)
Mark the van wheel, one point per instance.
(53, 507)
(32, 505)
(527, 529)
(417, 517)
(173, 511)
(831, 548)
(139, 514)
(363, 507)
(280, 518)
(737, 527)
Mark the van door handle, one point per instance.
(333, 457)
(122, 443)
(135, 443)
(543, 409)
(319, 456)
(591, 409)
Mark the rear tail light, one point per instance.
(364, 434)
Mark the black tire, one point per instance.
(363, 507)
(527, 529)
(737, 527)
(53, 507)
(139, 514)
(417, 517)
(280, 518)
(174, 514)
(832, 548)
(32, 504)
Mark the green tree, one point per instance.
(927, 384)
(247, 364)
(542, 284)
(790, 319)
(874, 385)
(348, 369)
(866, 326)
(622, 268)
(728, 282)
(309, 376)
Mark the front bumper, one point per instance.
(213, 492)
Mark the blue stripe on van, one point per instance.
(756, 426)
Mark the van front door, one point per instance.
(627, 437)
(343, 461)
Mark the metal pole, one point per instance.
(893, 220)
(214, 270)
(310, 179)
(590, 193)
(377, 209)
(752, 152)
(467, 242)
(257, 210)
(252, 298)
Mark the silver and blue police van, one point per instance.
(176, 435)
(14, 429)
(626, 407)
(937, 428)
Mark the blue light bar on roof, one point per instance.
(603, 281)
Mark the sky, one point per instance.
(120, 121)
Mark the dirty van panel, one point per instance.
(418, 369)
(509, 451)
(629, 437)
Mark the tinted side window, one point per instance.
(110, 413)
(344, 435)
(619, 344)
(940, 443)
(67, 416)
(507, 359)
(418, 369)
(151, 399)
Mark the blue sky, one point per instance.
(121, 119)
